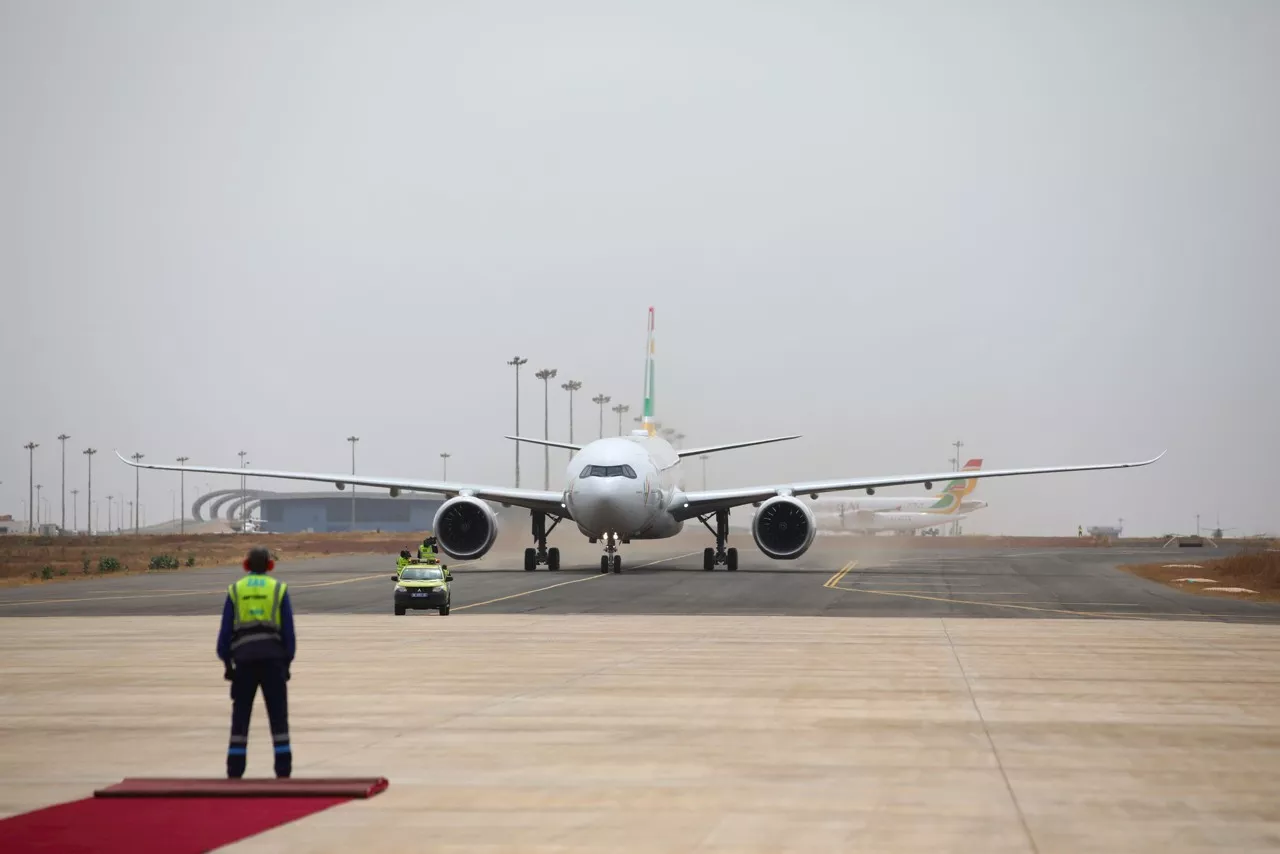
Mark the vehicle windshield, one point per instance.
(421, 573)
(608, 471)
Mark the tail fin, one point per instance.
(648, 380)
(949, 500)
(967, 485)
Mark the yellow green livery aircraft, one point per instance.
(872, 515)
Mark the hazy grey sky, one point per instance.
(1048, 230)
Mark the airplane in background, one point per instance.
(627, 488)
(909, 513)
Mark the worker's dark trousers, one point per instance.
(270, 674)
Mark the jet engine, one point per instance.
(784, 528)
(465, 527)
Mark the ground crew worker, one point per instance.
(403, 560)
(256, 644)
(427, 551)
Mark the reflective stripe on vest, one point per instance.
(255, 609)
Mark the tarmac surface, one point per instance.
(672, 709)
(839, 576)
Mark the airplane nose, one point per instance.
(605, 504)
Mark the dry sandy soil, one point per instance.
(1257, 569)
(80, 557)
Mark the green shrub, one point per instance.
(191, 560)
(46, 572)
(108, 564)
(84, 565)
(164, 562)
(62, 572)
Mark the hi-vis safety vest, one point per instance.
(426, 553)
(255, 610)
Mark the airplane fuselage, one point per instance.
(892, 521)
(623, 486)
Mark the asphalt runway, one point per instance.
(839, 577)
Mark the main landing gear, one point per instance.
(611, 558)
(719, 555)
(542, 555)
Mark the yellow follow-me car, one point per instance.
(422, 586)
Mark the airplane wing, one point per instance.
(700, 502)
(711, 449)
(550, 443)
(534, 499)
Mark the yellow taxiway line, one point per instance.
(840, 574)
(529, 592)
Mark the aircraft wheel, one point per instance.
(604, 564)
(708, 559)
(553, 559)
(732, 560)
(617, 564)
(530, 560)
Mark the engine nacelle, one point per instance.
(465, 527)
(784, 528)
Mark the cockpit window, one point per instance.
(608, 471)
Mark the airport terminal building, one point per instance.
(320, 512)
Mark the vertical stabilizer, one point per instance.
(648, 380)
(949, 501)
(968, 485)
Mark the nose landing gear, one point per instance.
(542, 555)
(719, 555)
(611, 558)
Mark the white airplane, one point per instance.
(909, 513)
(627, 488)
(889, 520)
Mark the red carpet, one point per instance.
(152, 825)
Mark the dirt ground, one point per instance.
(1257, 569)
(35, 560)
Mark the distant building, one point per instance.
(326, 512)
(295, 512)
(9, 525)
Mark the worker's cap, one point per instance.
(259, 560)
